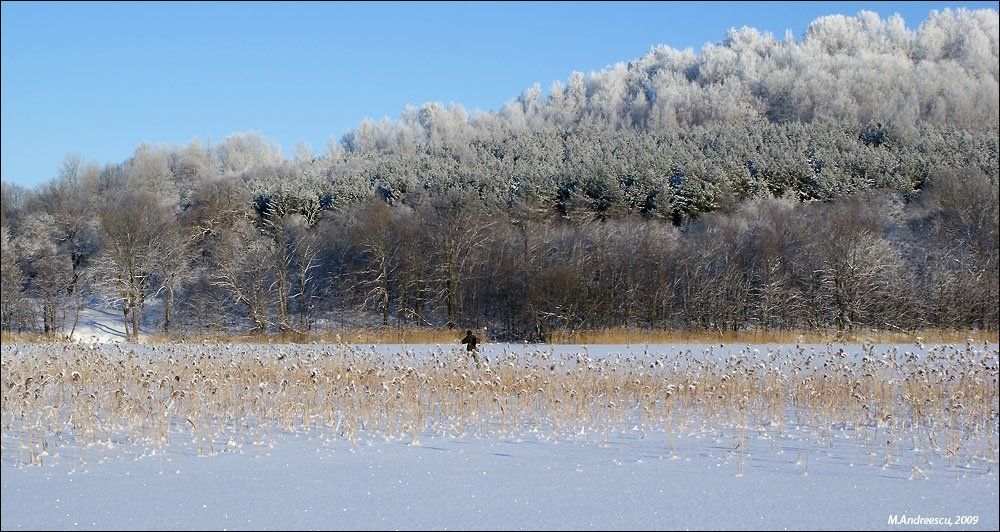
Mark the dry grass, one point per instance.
(28, 338)
(670, 336)
(403, 335)
(943, 403)
(399, 335)
(616, 336)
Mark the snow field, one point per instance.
(349, 436)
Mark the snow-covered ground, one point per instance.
(527, 479)
(98, 325)
(471, 483)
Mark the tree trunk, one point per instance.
(452, 298)
(168, 303)
(385, 308)
(451, 289)
(125, 319)
(135, 321)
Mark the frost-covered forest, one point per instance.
(844, 180)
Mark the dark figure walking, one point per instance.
(470, 340)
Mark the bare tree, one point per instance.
(14, 314)
(133, 227)
(241, 264)
(48, 268)
(306, 248)
(456, 230)
(175, 267)
(377, 234)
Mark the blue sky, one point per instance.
(96, 79)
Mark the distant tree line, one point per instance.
(232, 260)
(845, 181)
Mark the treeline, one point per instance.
(855, 69)
(673, 176)
(669, 175)
(233, 261)
(845, 181)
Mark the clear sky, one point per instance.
(96, 79)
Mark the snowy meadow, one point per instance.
(642, 436)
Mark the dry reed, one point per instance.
(942, 400)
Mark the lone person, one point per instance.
(470, 340)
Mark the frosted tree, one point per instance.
(303, 152)
(48, 269)
(378, 234)
(14, 314)
(241, 152)
(134, 228)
